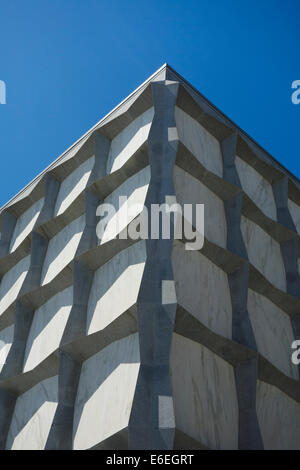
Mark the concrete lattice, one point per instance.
(118, 344)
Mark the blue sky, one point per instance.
(66, 63)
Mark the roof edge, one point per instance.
(86, 134)
(165, 66)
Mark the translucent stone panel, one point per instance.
(204, 394)
(257, 188)
(33, 416)
(191, 191)
(115, 287)
(197, 280)
(61, 249)
(125, 210)
(264, 253)
(6, 339)
(273, 333)
(279, 418)
(12, 282)
(25, 224)
(125, 144)
(73, 185)
(105, 392)
(199, 141)
(47, 328)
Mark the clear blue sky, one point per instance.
(66, 63)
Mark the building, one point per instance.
(142, 344)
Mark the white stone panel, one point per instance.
(273, 333)
(124, 211)
(25, 224)
(295, 213)
(105, 392)
(61, 249)
(204, 146)
(47, 328)
(73, 185)
(264, 253)
(257, 188)
(125, 144)
(204, 394)
(12, 282)
(33, 416)
(191, 191)
(115, 287)
(279, 418)
(198, 295)
(6, 339)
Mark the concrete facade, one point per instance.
(118, 343)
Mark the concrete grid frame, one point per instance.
(140, 344)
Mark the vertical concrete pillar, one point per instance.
(152, 423)
(8, 222)
(23, 319)
(102, 147)
(51, 192)
(24, 311)
(7, 405)
(242, 332)
(289, 248)
(61, 433)
(89, 238)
